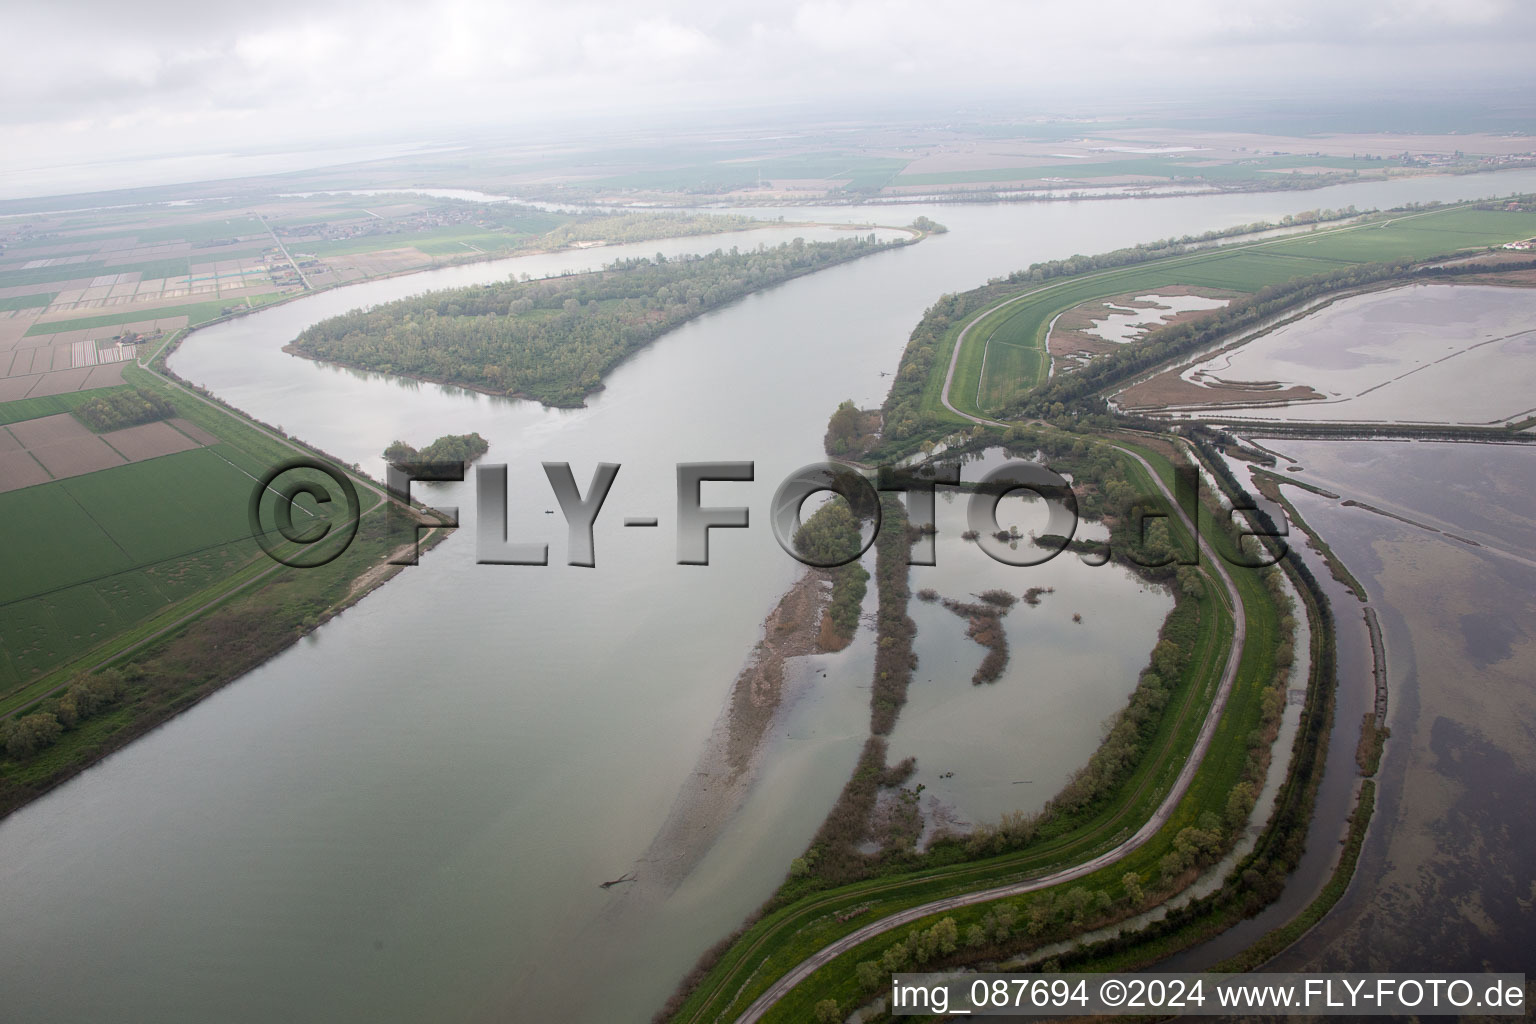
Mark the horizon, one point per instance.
(122, 88)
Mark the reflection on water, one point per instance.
(1444, 879)
(1419, 353)
(984, 750)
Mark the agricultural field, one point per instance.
(109, 549)
(992, 371)
(124, 528)
(187, 265)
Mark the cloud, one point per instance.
(165, 75)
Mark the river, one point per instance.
(406, 815)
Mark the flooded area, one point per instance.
(1011, 744)
(1421, 353)
(1127, 324)
(1444, 881)
(1097, 327)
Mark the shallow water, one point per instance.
(1125, 325)
(1419, 353)
(1461, 653)
(1012, 744)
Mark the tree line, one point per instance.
(1260, 877)
(553, 340)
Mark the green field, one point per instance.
(195, 312)
(1243, 267)
(179, 266)
(1010, 364)
(199, 230)
(51, 275)
(148, 269)
(107, 552)
(147, 574)
(45, 405)
(27, 301)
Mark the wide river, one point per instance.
(405, 816)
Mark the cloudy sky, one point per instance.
(90, 82)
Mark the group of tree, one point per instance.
(830, 535)
(554, 339)
(124, 407)
(835, 856)
(460, 448)
(25, 735)
(894, 629)
(851, 431)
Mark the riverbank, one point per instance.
(256, 610)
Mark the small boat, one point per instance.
(549, 511)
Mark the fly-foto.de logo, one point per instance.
(309, 534)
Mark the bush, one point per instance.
(27, 735)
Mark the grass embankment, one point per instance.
(789, 933)
(1015, 924)
(1014, 315)
(1261, 875)
(783, 939)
